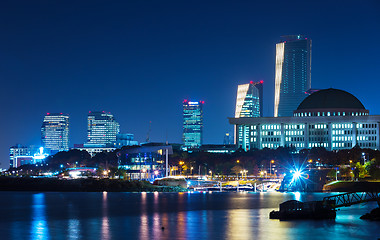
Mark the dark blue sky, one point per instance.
(140, 59)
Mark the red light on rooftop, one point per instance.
(47, 113)
(185, 101)
(202, 102)
(261, 81)
(251, 82)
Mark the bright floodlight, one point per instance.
(297, 174)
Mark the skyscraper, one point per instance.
(249, 100)
(102, 128)
(55, 132)
(293, 74)
(192, 124)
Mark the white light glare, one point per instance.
(297, 174)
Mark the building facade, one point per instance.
(16, 152)
(102, 128)
(249, 100)
(192, 124)
(55, 132)
(94, 149)
(330, 118)
(125, 139)
(293, 74)
(20, 155)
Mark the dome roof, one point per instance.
(331, 99)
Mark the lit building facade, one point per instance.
(330, 118)
(102, 128)
(293, 74)
(94, 149)
(192, 124)
(249, 100)
(125, 139)
(21, 155)
(18, 151)
(55, 132)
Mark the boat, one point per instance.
(294, 209)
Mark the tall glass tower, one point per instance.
(249, 100)
(192, 124)
(55, 132)
(102, 128)
(249, 103)
(293, 74)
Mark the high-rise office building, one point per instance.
(249, 100)
(102, 128)
(192, 124)
(249, 103)
(55, 132)
(293, 74)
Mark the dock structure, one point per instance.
(324, 209)
(351, 198)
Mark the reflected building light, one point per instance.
(106, 234)
(297, 196)
(74, 228)
(239, 224)
(39, 227)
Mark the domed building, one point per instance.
(330, 102)
(330, 118)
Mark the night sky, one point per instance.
(140, 59)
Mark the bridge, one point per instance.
(351, 198)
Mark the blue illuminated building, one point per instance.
(293, 74)
(55, 132)
(102, 129)
(192, 124)
(330, 118)
(249, 100)
(144, 162)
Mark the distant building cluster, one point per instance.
(103, 134)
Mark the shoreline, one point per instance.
(82, 185)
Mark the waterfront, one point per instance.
(57, 215)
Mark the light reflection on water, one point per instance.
(39, 228)
(169, 216)
(106, 235)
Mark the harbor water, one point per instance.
(192, 215)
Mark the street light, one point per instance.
(181, 163)
(237, 161)
(270, 166)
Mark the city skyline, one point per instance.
(139, 63)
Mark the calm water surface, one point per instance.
(31, 215)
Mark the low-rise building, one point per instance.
(330, 118)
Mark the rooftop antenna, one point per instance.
(147, 136)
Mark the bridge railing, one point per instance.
(348, 199)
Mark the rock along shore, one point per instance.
(81, 185)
